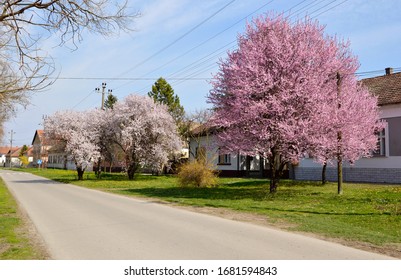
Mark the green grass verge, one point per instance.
(365, 212)
(15, 244)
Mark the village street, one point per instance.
(78, 223)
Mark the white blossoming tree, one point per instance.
(77, 134)
(144, 131)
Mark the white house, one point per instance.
(202, 146)
(385, 164)
(3, 153)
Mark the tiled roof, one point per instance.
(40, 134)
(14, 151)
(4, 150)
(387, 88)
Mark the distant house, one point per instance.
(11, 157)
(385, 164)
(3, 153)
(40, 148)
(50, 153)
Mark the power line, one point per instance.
(231, 43)
(330, 8)
(376, 72)
(290, 16)
(122, 79)
(200, 63)
(306, 6)
(178, 39)
(182, 69)
(209, 39)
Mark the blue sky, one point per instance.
(182, 41)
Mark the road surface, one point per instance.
(82, 224)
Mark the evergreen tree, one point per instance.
(110, 101)
(23, 150)
(163, 93)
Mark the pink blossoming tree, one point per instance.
(273, 95)
(348, 125)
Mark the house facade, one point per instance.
(229, 165)
(202, 147)
(3, 153)
(385, 164)
(40, 147)
(12, 157)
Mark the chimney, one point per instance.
(389, 70)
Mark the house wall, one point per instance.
(39, 150)
(207, 143)
(58, 161)
(376, 170)
(237, 166)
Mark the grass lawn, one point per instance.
(364, 214)
(15, 244)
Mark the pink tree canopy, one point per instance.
(274, 95)
(353, 113)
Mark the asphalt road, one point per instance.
(82, 224)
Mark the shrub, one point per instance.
(196, 174)
(24, 161)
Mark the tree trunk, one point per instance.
(273, 172)
(131, 173)
(80, 172)
(340, 175)
(273, 179)
(99, 168)
(324, 181)
(132, 168)
(277, 169)
(339, 142)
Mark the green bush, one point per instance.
(197, 174)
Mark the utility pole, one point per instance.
(11, 145)
(43, 145)
(103, 92)
(339, 140)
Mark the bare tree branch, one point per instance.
(24, 67)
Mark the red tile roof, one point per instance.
(16, 151)
(4, 150)
(387, 88)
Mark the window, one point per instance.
(381, 144)
(224, 159)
